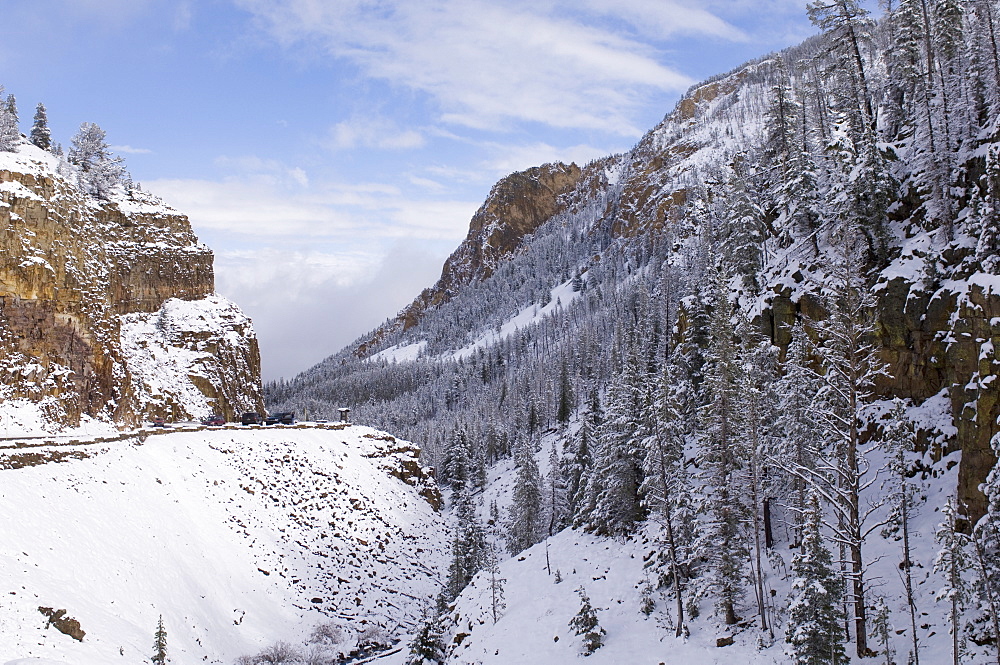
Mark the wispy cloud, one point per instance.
(373, 133)
(129, 150)
(487, 65)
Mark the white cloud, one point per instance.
(373, 133)
(279, 204)
(487, 65)
(505, 159)
(129, 150)
(297, 326)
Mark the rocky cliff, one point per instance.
(515, 208)
(79, 276)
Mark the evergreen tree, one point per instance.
(613, 504)
(524, 523)
(427, 647)
(814, 631)
(718, 440)
(585, 623)
(851, 366)
(40, 134)
(497, 602)
(160, 644)
(580, 460)
(900, 444)
(951, 561)
(665, 487)
(10, 135)
(468, 550)
(556, 500)
(100, 170)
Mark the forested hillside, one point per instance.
(769, 327)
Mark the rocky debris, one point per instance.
(64, 624)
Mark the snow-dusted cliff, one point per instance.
(81, 277)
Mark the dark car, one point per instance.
(251, 418)
(159, 422)
(282, 417)
(213, 420)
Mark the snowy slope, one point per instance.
(533, 628)
(238, 537)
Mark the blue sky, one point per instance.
(331, 152)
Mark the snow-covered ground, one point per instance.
(534, 629)
(238, 537)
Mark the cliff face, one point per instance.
(515, 208)
(74, 271)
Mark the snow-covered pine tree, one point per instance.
(10, 135)
(468, 550)
(579, 458)
(100, 171)
(900, 444)
(159, 656)
(755, 413)
(497, 602)
(525, 525)
(427, 647)
(585, 623)
(986, 539)
(795, 427)
(848, 27)
(815, 619)
(557, 515)
(666, 488)
(613, 486)
(41, 136)
(722, 542)
(851, 365)
(952, 563)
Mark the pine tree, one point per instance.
(848, 25)
(40, 134)
(160, 644)
(814, 613)
(468, 550)
(427, 647)
(497, 602)
(613, 505)
(665, 487)
(556, 500)
(524, 523)
(580, 460)
(900, 443)
(585, 623)
(100, 170)
(851, 365)
(951, 561)
(10, 135)
(718, 439)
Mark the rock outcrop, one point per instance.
(74, 271)
(515, 208)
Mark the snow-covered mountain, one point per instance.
(239, 538)
(788, 288)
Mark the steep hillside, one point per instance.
(788, 289)
(238, 537)
(79, 276)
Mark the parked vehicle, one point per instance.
(159, 422)
(282, 417)
(214, 420)
(251, 418)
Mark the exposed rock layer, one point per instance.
(70, 268)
